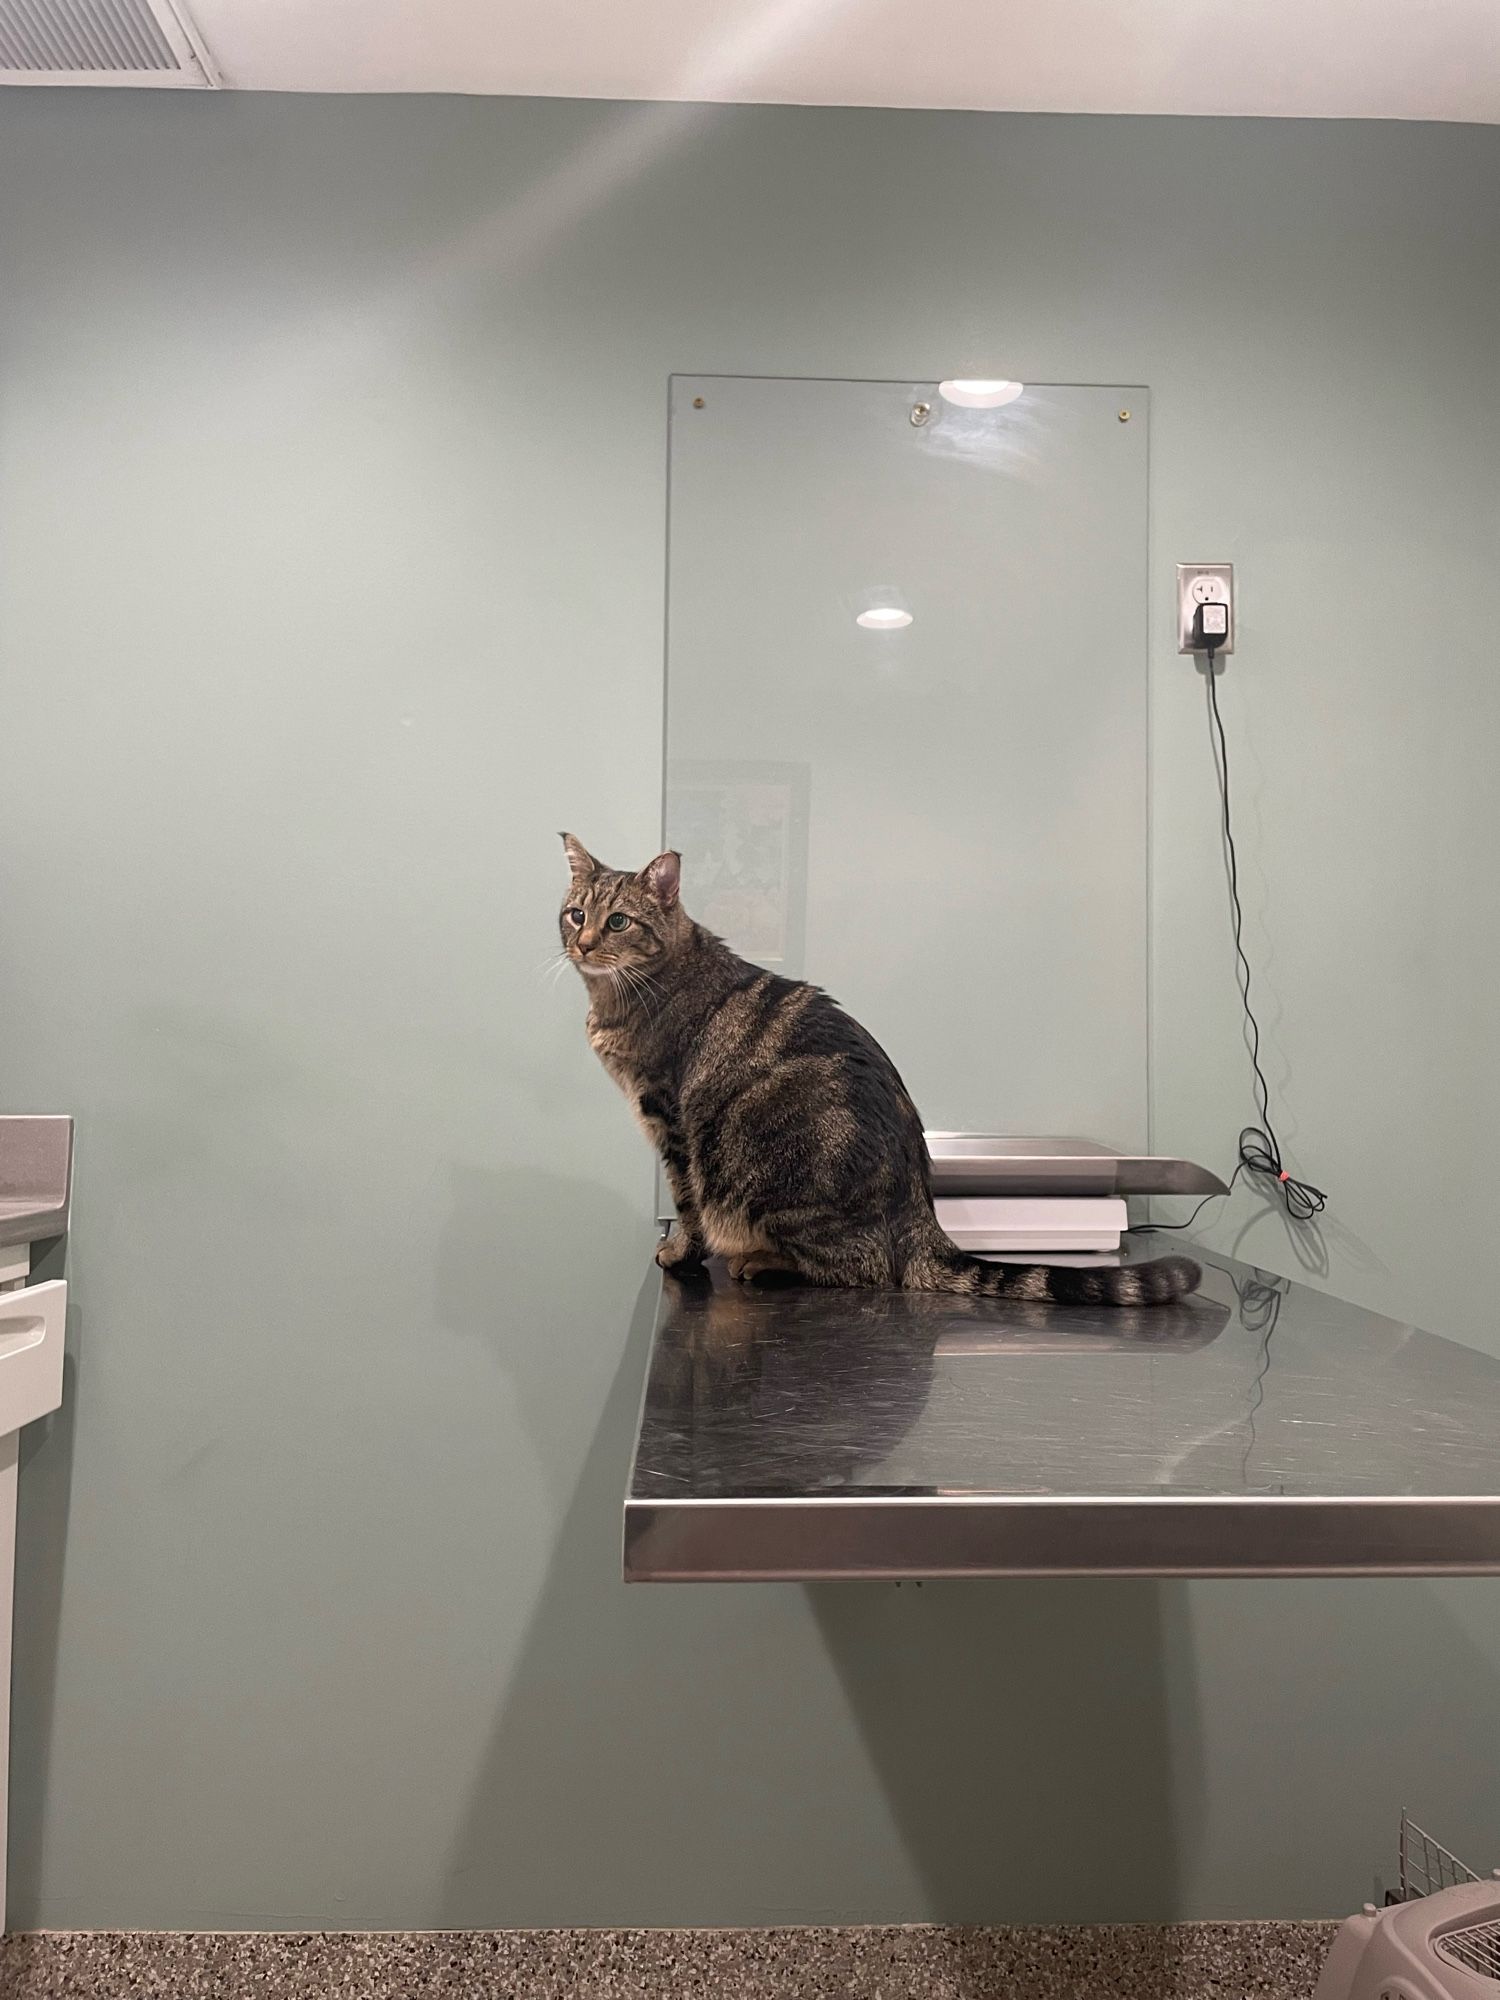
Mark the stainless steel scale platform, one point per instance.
(994, 1163)
(1260, 1428)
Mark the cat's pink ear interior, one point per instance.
(579, 859)
(663, 877)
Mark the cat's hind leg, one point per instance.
(763, 1267)
(822, 1248)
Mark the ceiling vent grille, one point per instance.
(134, 42)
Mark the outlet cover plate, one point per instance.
(1199, 583)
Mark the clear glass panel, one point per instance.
(939, 813)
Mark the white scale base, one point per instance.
(1037, 1225)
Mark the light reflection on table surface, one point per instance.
(1257, 1389)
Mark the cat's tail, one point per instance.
(943, 1267)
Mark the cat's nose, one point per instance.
(586, 943)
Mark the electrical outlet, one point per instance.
(1203, 583)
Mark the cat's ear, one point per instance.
(663, 877)
(580, 860)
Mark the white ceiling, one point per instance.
(1295, 58)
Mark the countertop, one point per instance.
(1262, 1427)
(36, 1178)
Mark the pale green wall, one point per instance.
(331, 461)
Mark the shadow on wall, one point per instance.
(1033, 1752)
(493, 1216)
(1021, 1733)
(714, 1754)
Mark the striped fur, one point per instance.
(790, 1144)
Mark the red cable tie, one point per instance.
(1283, 1175)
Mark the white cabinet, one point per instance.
(32, 1322)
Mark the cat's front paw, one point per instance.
(680, 1252)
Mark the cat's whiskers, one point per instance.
(619, 985)
(641, 986)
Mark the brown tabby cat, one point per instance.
(790, 1144)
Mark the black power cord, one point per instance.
(1260, 1308)
(1260, 1157)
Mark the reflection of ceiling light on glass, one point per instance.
(980, 395)
(883, 618)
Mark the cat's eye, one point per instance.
(575, 918)
(616, 921)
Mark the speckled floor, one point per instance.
(1271, 1961)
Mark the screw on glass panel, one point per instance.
(1124, 416)
(920, 412)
